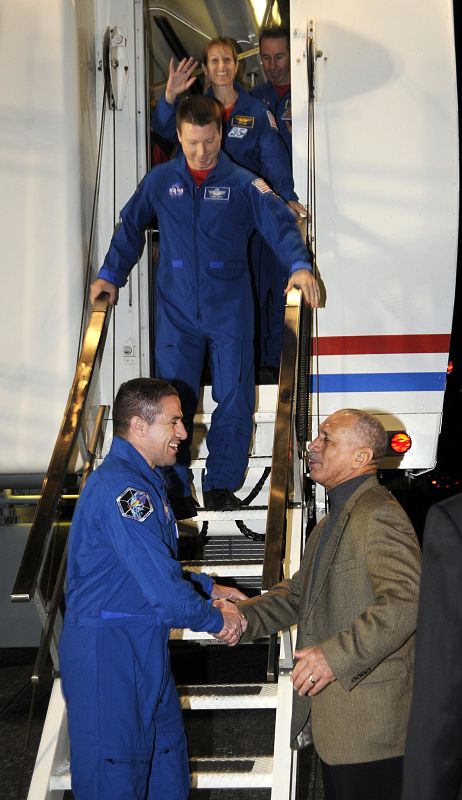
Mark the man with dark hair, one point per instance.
(125, 590)
(207, 207)
(276, 94)
(355, 602)
(275, 59)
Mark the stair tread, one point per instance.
(247, 512)
(229, 569)
(228, 696)
(236, 772)
(206, 772)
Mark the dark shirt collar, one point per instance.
(341, 493)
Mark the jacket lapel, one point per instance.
(326, 558)
(334, 539)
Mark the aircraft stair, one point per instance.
(236, 701)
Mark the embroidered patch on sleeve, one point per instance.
(272, 120)
(135, 504)
(260, 184)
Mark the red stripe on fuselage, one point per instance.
(364, 345)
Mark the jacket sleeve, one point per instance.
(272, 611)
(129, 237)
(433, 755)
(392, 557)
(277, 225)
(274, 158)
(163, 120)
(159, 575)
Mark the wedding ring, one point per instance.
(312, 680)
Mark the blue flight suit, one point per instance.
(204, 295)
(125, 589)
(281, 108)
(251, 139)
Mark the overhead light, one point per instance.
(259, 10)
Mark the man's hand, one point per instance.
(304, 279)
(299, 210)
(99, 286)
(234, 622)
(311, 673)
(227, 593)
(179, 79)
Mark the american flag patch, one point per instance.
(260, 184)
(272, 120)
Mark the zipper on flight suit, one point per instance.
(196, 260)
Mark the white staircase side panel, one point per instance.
(53, 750)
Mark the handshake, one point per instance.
(235, 624)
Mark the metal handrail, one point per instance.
(39, 536)
(52, 613)
(280, 469)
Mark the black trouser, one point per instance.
(371, 780)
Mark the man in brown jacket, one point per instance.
(355, 602)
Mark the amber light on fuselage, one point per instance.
(400, 442)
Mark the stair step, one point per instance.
(265, 400)
(228, 696)
(255, 462)
(246, 512)
(204, 417)
(225, 569)
(206, 773)
(232, 773)
(60, 779)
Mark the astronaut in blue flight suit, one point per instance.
(276, 94)
(125, 589)
(276, 91)
(206, 207)
(252, 139)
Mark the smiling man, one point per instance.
(125, 590)
(207, 207)
(355, 602)
(276, 92)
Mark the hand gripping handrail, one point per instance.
(39, 536)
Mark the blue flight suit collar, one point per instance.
(244, 99)
(220, 170)
(121, 448)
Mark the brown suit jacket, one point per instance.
(362, 612)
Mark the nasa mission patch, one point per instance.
(135, 504)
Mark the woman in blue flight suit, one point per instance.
(125, 589)
(203, 285)
(252, 139)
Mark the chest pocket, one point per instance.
(343, 566)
